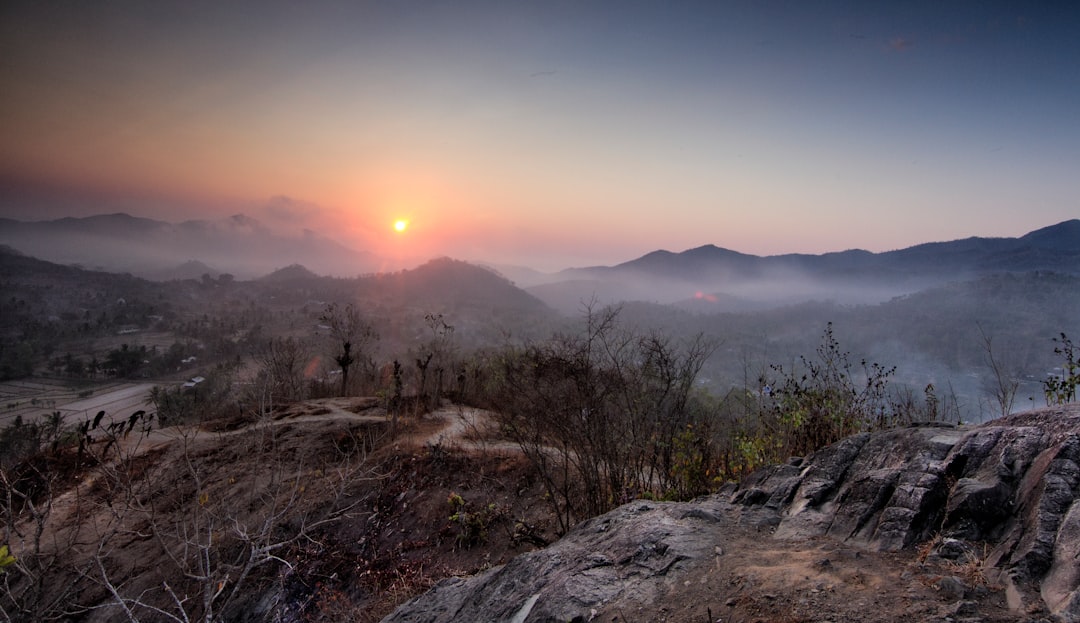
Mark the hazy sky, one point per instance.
(550, 133)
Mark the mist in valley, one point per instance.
(948, 329)
(159, 250)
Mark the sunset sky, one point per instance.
(549, 133)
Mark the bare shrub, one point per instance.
(823, 400)
(213, 528)
(597, 413)
(281, 363)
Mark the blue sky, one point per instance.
(550, 133)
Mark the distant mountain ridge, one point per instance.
(156, 249)
(856, 276)
(1057, 242)
(706, 278)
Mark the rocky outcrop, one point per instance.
(1010, 486)
(1000, 498)
(622, 556)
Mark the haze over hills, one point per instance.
(158, 250)
(705, 279)
(932, 334)
(710, 278)
(43, 300)
(436, 286)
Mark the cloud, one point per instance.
(285, 209)
(901, 44)
(290, 216)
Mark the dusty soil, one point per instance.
(443, 496)
(756, 578)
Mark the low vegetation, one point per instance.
(609, 415)
(600, 413)
(1061, 388)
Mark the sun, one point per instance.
(401, 225)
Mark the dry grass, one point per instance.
(972, 569)
(924, 549)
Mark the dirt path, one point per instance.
(461, 427)
(758, 579)
(467, 428)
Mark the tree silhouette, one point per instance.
(354, 334)
(345, 360)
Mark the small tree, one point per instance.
(353, 335)
(1061, 389)
(1004, 383)
(281, 364)
(438, 352)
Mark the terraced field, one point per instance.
(35, 398)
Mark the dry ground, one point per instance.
(388, 491)
(395, 536)
(758, 579)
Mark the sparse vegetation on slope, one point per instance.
(313, 512)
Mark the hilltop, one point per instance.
(926, 523)
(364, 502)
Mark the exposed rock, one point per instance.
(1011, 485)
(996, 505)
(619, 556)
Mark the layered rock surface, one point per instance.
(991, 510)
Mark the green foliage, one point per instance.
(208, 400)
(827, 400)
(472, 526)
(6, 558)
(691, 465)
(756, 451)
(1061, 389)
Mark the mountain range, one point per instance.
(716, 279)
(706, 279)
(159, 250)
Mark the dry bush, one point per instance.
(599, 413)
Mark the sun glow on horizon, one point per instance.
(401, 225)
